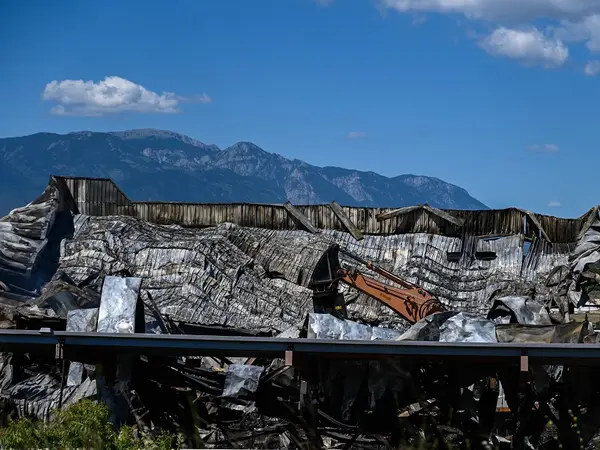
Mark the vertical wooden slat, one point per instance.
(104, 197)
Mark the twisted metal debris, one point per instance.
(59, 268)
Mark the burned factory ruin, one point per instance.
(361, 298)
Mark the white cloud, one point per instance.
(528, 46)
(567, 21)
(592, 68)
(111, 95)
(547, 148)
(502, 10)
(357, 135)
(554, 204)
(586, 30)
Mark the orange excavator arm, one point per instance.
(410, 301)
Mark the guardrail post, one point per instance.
(60, 357)
(289, 358)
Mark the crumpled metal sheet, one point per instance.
(241, 380)
(465, 327)
(584, 288)
(194, 276)
(566, 333)
(62, 296)
(587, 249)
(343, 380)
(24, 232)
(6, 370)
(466, 285)
(326, 326)
(39, 395)
(292, 332)
(81, 321)
(519, 309)
(271, 249)
(118, 303)
(428, 328)
(224, 275)
(452, 326)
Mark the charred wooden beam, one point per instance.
(348, 224)
(434, 211)
(537, 224)
(296, 214)
(444, 215)
(396, 212)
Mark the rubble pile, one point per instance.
(119, 274)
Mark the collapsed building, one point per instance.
(83, 257)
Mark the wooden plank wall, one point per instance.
(98, 196)
(102, 197)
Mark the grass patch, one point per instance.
(82, 425)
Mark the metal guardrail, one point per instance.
(188, 345)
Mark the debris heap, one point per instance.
(119, 274)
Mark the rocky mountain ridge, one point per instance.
(162, 165)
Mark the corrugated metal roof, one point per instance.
(466, 284)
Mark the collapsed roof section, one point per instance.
(200, 276)
(584, 284)
(259, 278)
(24, 232)
(469, 283)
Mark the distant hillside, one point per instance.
(165, 166)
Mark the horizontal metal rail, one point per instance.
(91, 344)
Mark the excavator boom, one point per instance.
(410, 301)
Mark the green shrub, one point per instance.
(82, 425)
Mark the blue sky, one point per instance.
(497, 96)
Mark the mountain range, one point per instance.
(161, 165)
